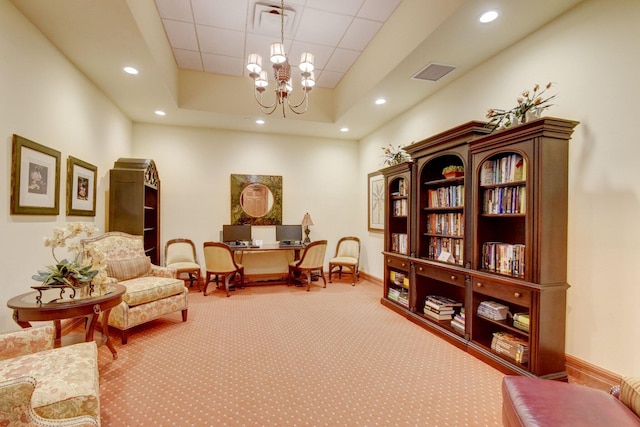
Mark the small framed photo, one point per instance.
(35, 178)
(376, 201)
(81, 187)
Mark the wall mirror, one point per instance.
(256, 199)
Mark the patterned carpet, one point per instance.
(281, 356)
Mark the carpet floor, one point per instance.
(280, 356)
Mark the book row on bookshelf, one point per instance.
(458, 322)
(439, 307)
(445, 197)
(451, 224)
(521, 321)
(504, 258)
(510, 168)
(505, 200)
(399, 278)
(399, 295)
(511, 346)
(493, 310)
(402, 188)
(439, 245)
(400, 207)
(399, 243)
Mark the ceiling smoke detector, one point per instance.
(433, 72)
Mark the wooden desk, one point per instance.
(268, 262)
(26, 310)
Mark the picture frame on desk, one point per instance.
(376, 202)
(81, 187)
(35, 178)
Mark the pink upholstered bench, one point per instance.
(535, 402)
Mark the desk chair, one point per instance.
(219, 261)
(311, 259)
(347, 255)
(181, 255)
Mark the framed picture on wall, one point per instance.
(81, 187)
(376, 202)
(35, 178)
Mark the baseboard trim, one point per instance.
(370, 278)
(581, 372)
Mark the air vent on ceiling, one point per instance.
(266, 19)
(433, 72)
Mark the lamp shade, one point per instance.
(306, 220)
(277, 53)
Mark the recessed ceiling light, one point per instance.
(130, 70)
(260, 121)
(160, 113)
(381, 101)
(488, 16)
(345, 129)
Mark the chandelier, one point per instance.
(282, 75)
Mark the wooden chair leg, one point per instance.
(323, 279)
(308, 280)
(227, 279)
(124, 336)
(184, 315)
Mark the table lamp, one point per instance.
(306, 222)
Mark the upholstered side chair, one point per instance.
(312, 259)
(219, 261)
(348, 256)
(181, 255)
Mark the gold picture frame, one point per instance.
(256, 199)
(35, 178)
(81, 187)
(375, 202)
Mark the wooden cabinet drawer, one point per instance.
(510, 293)
(398, 263)
(442, 274)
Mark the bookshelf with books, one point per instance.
(493, 235)
(519, 245)
(397, 249)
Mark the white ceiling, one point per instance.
(217, 36)
(191, 54)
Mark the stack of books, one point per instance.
(401, 296)
(458, 322)
(493, 310)
(521, 321)
(511, 346)
(399, 278)
(440, 308)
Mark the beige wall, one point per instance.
(591, 52)
(45, 99)
(319, 176)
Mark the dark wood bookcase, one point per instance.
(497, 233)
(134, 202)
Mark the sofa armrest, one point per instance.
(27, 341)
(15, 406)
(158, 271)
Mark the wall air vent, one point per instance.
(433, 72)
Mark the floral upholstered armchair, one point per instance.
(152, 291)
(45, 386)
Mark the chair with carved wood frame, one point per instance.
(312, 259)
(219, 261)
(348, 256)
(181, 255)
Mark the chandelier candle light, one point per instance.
(282, 75)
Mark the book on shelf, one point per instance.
(437, 316)
(458, 322)
(504, 258)
(513, 347)
(505, 169)
(439, 301)
(399, 278)
(444, 310)
(493, 310)
(399, 243)
(521, 321)
(400, 207)
(446, 197)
